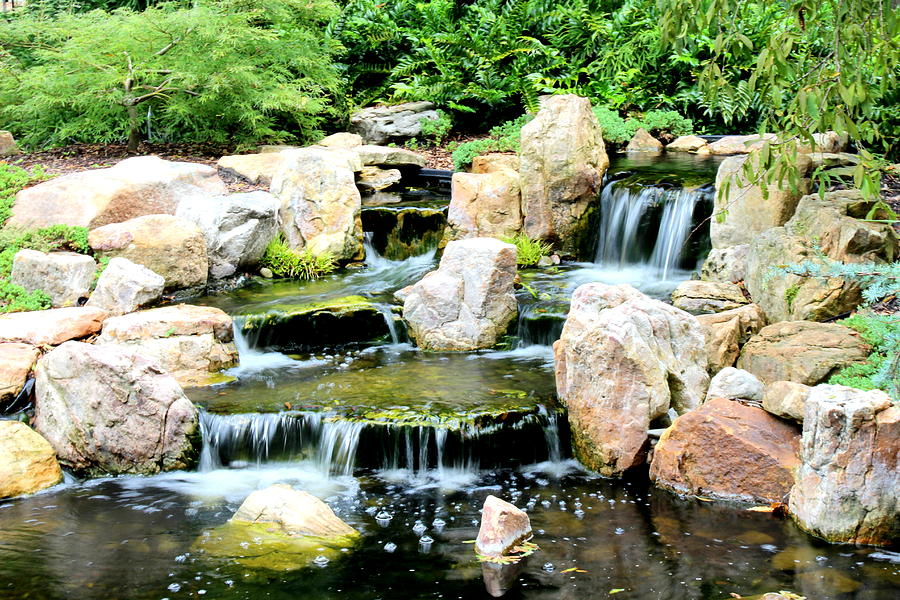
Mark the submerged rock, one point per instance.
(468, 302)
(702, 297)
(485, 205)
(237, 228)
(168, 246)
(143, 185)
(622, 361)
(642, 141)
(191, 343)
(503, 526)
(16, 361)
(846, 489)
(379, 124)
(801, 351)
(727, 331)
(291, 512)
(27, 461)
(320, 203)
(786, 399)
(562, 163)
(735, 384)
(109, 410)
(727, 450)
(124, 287)
(65, 276)
(51, 327)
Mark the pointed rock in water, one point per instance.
(65, 276)
(644, 142)
(143, 185)
(27, 461)
(124, 287)
(108, 410)
(468, 302)
(503, 526)
(727, 450)
(291, 512)
(849, 477)
(623, 359)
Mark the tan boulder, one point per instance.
(50, 327)
(622, 361)
(343, 139)
(16, 361)
(689, 143)
(188, 342)
(143, 185)
(65, 276)
(727, 450)
(740, 144)
(849, 477)
(124, 287)
(748, 210)
(27, 461)
(562, 162)
(320, 203)
(291, 512)
(832, 225)
(8, 146)
(702, 297)
(495, 161)
(503, 526)
(108, 410)
(255, 168)
(801, 351)
(375, 179)
(726, 264)
(387, 156)
(484, 205)
(727, 331)
(786, 399)
(642, 141)
(168, 246)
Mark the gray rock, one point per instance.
(385, 156)
(622, 361)
(237, 228)
(704, 297)
(735, 384)
(786, 399)
(726, 264)
(65, 276)
(468, 302)
(379, 124)
(110, 411)
(846, 489)
(124, 287)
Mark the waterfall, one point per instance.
(551, 434)
(646, 224)
(252, 360)
(388, 315)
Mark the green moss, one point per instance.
(790, 294)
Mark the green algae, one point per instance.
(284, 313)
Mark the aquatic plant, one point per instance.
(284, 261)
(528, 251)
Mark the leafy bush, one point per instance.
(14, 298)
(438, 129)
(882, 368)
(528, 251)
(284, 261)
(617, 131)
(13, 179)
(225, 72)
(505, 137)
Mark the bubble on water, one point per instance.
(321, 560)
(619, 531)
(579, 513)
(438, 524)
(545, 503)
(548, 566)
(769, 547)
(390, 547)
(201, 592)
(371, 510)
(426, 540)
(419, 528)
(174, 587)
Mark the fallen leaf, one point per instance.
(765, 509)
(569, 570)
(703, 498)
(616, 591)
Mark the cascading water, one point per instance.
(251, 360)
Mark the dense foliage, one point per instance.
(232, 71)
(284, 261)
(528, 251)
(882, 368)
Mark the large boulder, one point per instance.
(484, 205)
(495, 161)
(726, 264)
(255, 168)
(320, 203)
(727, 331)
(16, 361)
(237, 228)
(747, 209)
(735, 384)
(189, 342)
(801, 351)
(642, 141)
(740, 144)
(622, 361)
(562, 162)
(291, 512)
(108, 410)
(703, 297)
(832, 226)
(167, 245)
(51, 327)
(503, 526)
(342, 139)
(124, 287)
(786, 399)
(65, 276)
(387, 156)
(468, 302)
(847, 486)
(8, 146)
(379, 124)
(143, 185)
(27, 461)
(727, 450)
(375, 179)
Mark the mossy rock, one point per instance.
(401, 232)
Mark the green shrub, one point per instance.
(227, 71)
(882, 368)
(286, 262)
(528, 251)
(666, 121)
(437, 130)
(505, 137)
(616, 130)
